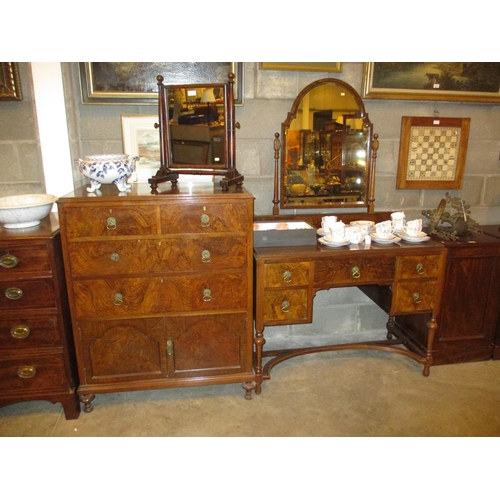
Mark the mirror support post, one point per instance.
(276, 200)
(371, 192)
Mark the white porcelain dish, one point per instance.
(362, 223)
(385, 241)
(330, 243)
(414, 239)
(322, 232)
(26, 210)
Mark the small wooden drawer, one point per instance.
(27, 294)
(424, 266)
(36, 373)
(413, 297)
(286, 306)
(202, 253)
(205, 218)
(354, 271)
(287, 274)
(27, 332)
(110, 222)
(16, 260)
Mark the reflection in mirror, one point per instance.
(326, 153)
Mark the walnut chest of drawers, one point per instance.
(160, 287)
(36, 344)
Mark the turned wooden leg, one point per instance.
(87, 399)
(249, 387)
(390, 326)
(259, 342)
(432, 328)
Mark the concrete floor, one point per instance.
(345, 393)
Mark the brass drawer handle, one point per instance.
(207, 295)
(420, 268)
(13, 293)
(355, 273)
(416, 298)
(111, 223)
(205, 256)
(20, 331)
(26, 371)
(9, 261)
(285, 306)
(118, 300)
(287, 277)
(114, 257)
(205, 220)
(170, 347)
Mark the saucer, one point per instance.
(330, 243)
(414, 239)
(322, 232)
(385, 241)
(362, 223)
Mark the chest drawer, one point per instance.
(286, 306)
(355, 270)
(413, 296)
(22, 332)
(27, 294)
(110, 222)
(287, 274)
(204, 253)
(16, 260)
(205, 218)
(424, 266)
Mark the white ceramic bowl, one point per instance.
(25, 210)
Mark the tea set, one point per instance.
(335, 233)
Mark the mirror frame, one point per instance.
(280, 197)
(169, 171)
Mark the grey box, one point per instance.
(283, 234)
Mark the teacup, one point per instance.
(398, 220)
(384, 229)
(327, 221)
(354, 234)
(337, 231)
(413, 227)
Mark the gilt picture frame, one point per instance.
(10, 82)
(432, 152)
(329, 67)
(435, 81)
(135, 83)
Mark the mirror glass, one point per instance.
(326, 147)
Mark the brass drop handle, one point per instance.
(111, 223)
(355, 273)
(13, 293)
(285, 306)
(114, 257)
(205, 220)
(9, 261)
(205, 256)
(20, 331)
(170, 347)
(420, 268)
(287, 277)
(207, 295)
(118, 300)
(416, 298)
(26, 371)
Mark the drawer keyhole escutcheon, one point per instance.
(205, 256)
(420, 268)
(20, 331)
(114, 257)
(170, 347)
(207, 295)
(205, 220)
(13, 293)
(285, 306)
(9, 261)
(26, 371)
(287, 277)
(355, 273)
(416, 298)
(111, 223)
(118, 300)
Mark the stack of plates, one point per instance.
(419, 238)
(385, 241)
(363, 224)
(326, 240)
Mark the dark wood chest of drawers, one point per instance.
(36, 345)
(160, 287)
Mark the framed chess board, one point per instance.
(432, 152)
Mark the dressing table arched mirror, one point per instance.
(328, 151)
(197, 132)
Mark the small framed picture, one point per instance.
(432, 152)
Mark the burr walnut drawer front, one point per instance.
(423, 266)
(16, 260)
(286, 306)
(205, 218)
(159, 295)
(191, 253)
(287, 274)
(110, 221)
(27, 294)
(354, 271)
(22, 332)
(32, 373)
(413, 296)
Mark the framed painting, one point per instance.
(10, 83)
(329, 67)
(432, 152)
(433, 81)
(135, 82)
